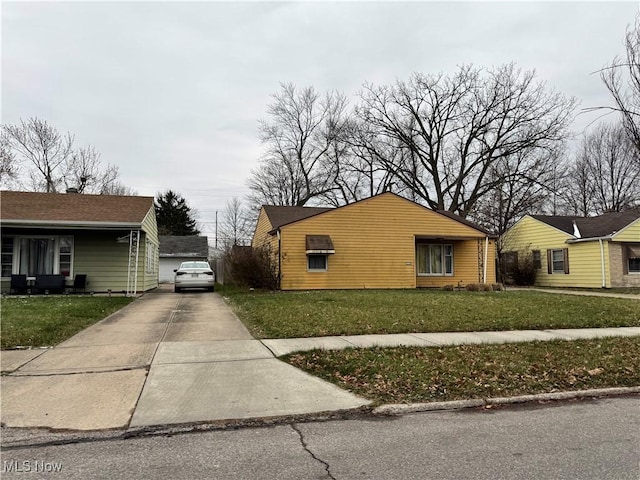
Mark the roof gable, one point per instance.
(173, 245)
(280, 216)
(73, 207)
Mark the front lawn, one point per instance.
(413, 374)
(356, 312)
(48, 320)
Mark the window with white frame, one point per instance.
(151, 258)
(558, 261)
(434, 259)
(317, 262)
(37, 255)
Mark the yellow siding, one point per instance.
(261, 233)
(374, 241)
(585, 259)
(629, 234)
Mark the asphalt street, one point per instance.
(588, 439)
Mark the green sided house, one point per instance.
(385, 241)
(593, 252)
(112, 240)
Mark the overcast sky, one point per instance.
(172, 92)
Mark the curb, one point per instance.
(401, 409)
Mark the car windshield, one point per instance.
(194, 265)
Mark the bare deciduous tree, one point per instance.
(606, 174)
(84, 172)
(300, 139)
(9, 169)
(523, 183)
(361, 172)
(42, 148)
(622, 79)
(50, 161)
(236, 226)
(453, 129)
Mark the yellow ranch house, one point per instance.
(385, 241)
(593, 252)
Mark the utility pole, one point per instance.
(216, 230)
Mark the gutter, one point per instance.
(62, 224)
(279, 260)
(590, 239)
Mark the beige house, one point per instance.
(113, 240)
(385, 241)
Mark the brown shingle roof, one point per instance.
(73, 207)
(592, 227)
(281, 215)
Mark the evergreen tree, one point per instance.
(174, 216)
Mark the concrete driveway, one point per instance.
(165, 359)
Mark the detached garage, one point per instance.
(174, 250)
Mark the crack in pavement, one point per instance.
(303, 442)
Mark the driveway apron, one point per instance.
(164, 359)
(208, 367)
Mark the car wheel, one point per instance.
(211, 289)
(176, 289)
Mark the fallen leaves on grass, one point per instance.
(413, 374)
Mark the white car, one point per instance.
(194, 275)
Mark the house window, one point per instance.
(151, 258)
(558, 261)
(40, 255)
(633, 258)
(7, 256)
(317, 263)
(434, 259)
(537, 260)
(65, 248)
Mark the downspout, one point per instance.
(484, 266)
(604, 278)
(279, 260)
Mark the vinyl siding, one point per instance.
(261, 233)
(104, 261)
(585, 266)
(374, 241)
(629, 234)
(150, 229)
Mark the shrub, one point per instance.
(497, 287)
(251, 267)
(473, 287)
(448, 288)
(519, 268)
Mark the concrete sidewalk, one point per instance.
(285, 346)
(186, 358)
